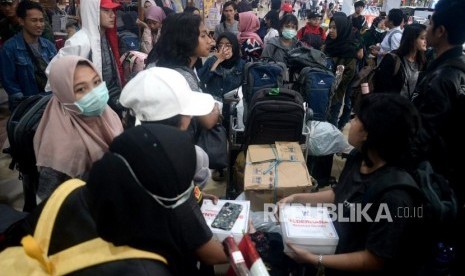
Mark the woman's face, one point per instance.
(205, 42)
(224, 43)
(153, 25)
(357, 133)
(332, 30)
(420, 42)
(147, 4)
(85, 79)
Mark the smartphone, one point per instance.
(227, 216)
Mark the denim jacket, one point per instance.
(221, 80)
(16, 66)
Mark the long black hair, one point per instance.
(178, 40)
(408, 41)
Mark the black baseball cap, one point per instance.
(313, 15)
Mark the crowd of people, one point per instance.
(134, 141)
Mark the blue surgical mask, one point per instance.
(289, 33)
(94, 102)
(380, 30)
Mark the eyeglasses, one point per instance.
(226, 45)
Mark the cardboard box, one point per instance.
(308, 227)
(209, 211)
(273, 172)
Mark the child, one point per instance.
(312, 34)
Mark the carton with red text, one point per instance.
(308, 227)
(240, 227)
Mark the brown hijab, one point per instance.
(66, 141)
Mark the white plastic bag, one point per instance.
(325, 139)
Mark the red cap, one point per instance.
(286, 8)
(108, 4)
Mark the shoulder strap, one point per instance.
(390, 37)
(44, 227)
(95, 252)
(391, 179)
(397, 64)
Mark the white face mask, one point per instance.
(176, 201)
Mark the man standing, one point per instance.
(97, 41)
(25, 56)
(440, 99)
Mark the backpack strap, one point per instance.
(392, 179)
(390, 38)
(95, 252)
(46, 222)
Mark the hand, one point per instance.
(224, 53)
(300, 255)
(286, 200)
(375, 49)
(141, 23)
(211, 197)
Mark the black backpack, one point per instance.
(439, 201)
(21, 127)
(276, 114)
(259, 75)
(438, 211)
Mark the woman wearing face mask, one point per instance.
(77, 126)
(278, 47)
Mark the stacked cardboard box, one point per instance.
(273, 172)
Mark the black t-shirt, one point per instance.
(385, 231)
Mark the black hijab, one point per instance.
(344, 44)
(236, 54)
(163, 160)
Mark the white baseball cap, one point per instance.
(160, 93)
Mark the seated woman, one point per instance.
(278, 47)
(222, 72)
(77, 126)
(398, 71)
(382, 133)
(140, 194)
